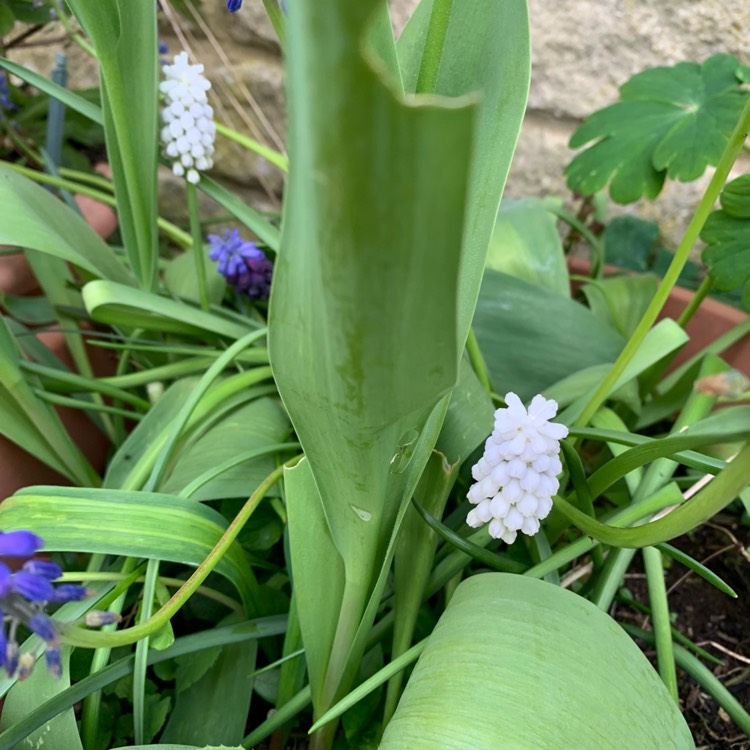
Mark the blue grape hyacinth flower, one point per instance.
(5, 101)
(243, 264)
(24, 595)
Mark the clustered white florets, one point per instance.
(189, 131)
(516, 477)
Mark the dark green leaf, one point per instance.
(727, 237)
(532, 337)
(670, 122)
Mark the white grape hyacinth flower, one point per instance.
(516, 477)
(188, 130)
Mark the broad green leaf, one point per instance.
(310, 564)
(250, 426)
(629, 242)
(670, 122)
(66, 96)
(522, 660)
(103, 521)
(382, 244)
(34, 218)
(531, 336)
(119, 305)
(60, 733)
(665, 337)
(413, 559)
(161, 746)
(33, 424)
(727, 237)
(124, 35)
(181, 280)
(620, 301)
(134, 461)
(359, 260)
(468, 420)
(486, 50)
(215, 708)
(263, 627)
(525, 243)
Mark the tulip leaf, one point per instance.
(522, 657)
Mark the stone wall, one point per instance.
(582, 51)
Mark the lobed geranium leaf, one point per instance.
(727, 237)
(670, 122)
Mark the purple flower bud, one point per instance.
(11, 658)
(32, 587)
(54, 663)
(49, 570)
(96, 618)
(70, 592)
(19, 543)
(41, 624)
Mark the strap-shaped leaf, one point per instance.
(34, 218)
(133, 524)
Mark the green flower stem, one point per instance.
(173, 583)
(705, 206)
(657, 595)
(700, 294)
(197, 248)
(168, 229)
(73, 35)
(276, 16)
(270, 155)
(478, 363)
(92, 702)
(595, 244)
(703, 676)
(433, 47)
(75, 636)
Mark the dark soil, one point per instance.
(711, 619)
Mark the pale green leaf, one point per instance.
(526, 665)
(34, 218)
(103, 521)
(66, 96)
(525, 243)
(125, 37)
(531, 336)
(60, 733)
(119, 305)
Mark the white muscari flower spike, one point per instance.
(515, 479)
(188, 130)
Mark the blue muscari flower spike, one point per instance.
(243, 264)
(24, 595)
(5, 101)
(234, 5)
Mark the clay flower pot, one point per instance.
(711, 320)
(20, 468)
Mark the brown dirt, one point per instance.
(711, 619)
